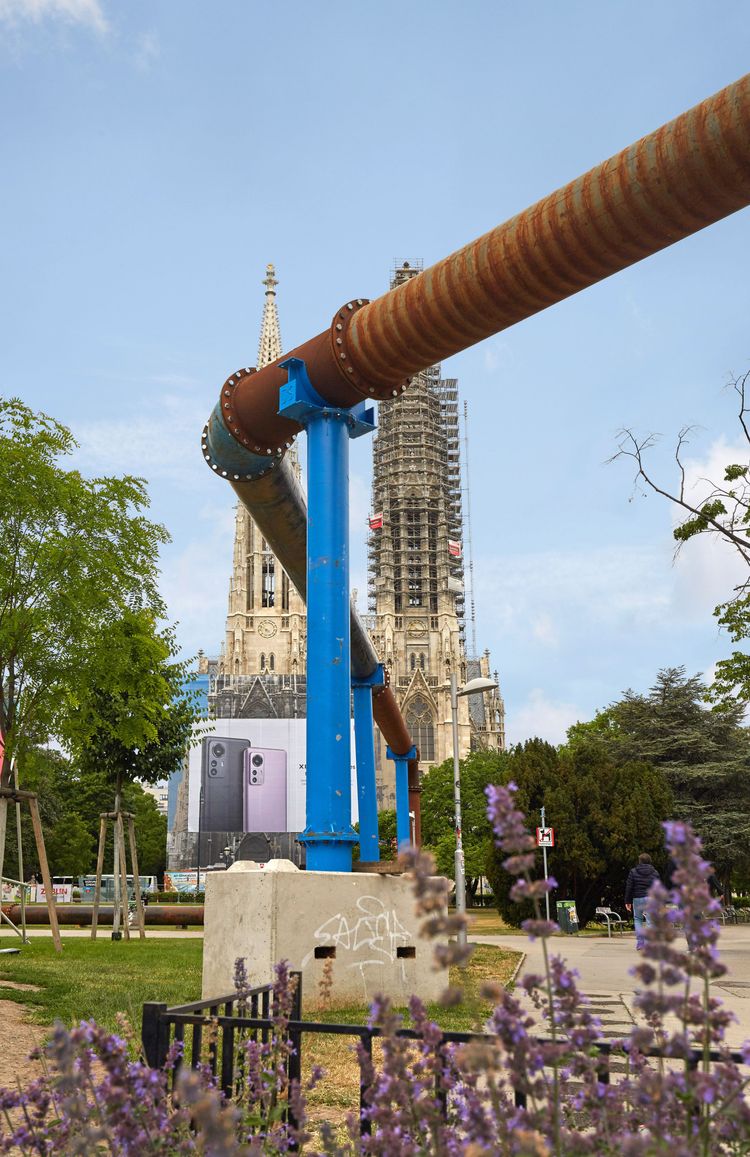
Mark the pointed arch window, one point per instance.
(284, 591)
(269, 581)
(262, 661)
(250, 583)
(272, 662)
(421, 723)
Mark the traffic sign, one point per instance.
(545, 837)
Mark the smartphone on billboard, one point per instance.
(264, 788)
(221, 804)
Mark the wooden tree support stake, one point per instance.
(118, 820)
(30, 799)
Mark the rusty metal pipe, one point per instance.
(693, 171)
(688, 174)
(277, 505)
(157, 915)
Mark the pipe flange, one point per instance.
(233, 423)
(231, 475)
(342, 354)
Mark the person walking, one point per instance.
(640, 879)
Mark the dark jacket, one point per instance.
(640, 879)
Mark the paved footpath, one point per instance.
(604, 968)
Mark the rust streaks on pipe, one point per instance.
(686, 175)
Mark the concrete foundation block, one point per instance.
(357, 929)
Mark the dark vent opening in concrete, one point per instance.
(325, 952)
(406, 953)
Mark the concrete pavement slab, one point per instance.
(604, 966)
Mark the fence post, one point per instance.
(365, 1125)
(154, 1034)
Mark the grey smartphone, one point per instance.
(264, 789)
(221, 803)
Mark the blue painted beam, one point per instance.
(364, 741)
(328, 834)
(403, 827)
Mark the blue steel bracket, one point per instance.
(376, 679)
(329, 836)
(407, 756)
(298, 399)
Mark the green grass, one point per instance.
(99, 978)
(487, 964)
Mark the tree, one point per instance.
(65, 792)
(132, 714)
(705, 755)
(132, 719)
(76, 553)
(604, 814)
(70, 846)
(724, 513)
(478, 769)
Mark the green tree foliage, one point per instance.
(479, 769)
(705, 755)
(131, 715)
(70, 803)
(76, 553)
(70, 846)
(604, 814)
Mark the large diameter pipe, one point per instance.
(80, 915)
(277, 504)
(670, 184)
(693, 171)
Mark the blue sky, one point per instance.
(157, 155)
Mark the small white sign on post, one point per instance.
(545, 837)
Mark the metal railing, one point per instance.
(5, 917)
(223, 1030)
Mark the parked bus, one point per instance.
(88, 887)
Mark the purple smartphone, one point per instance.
(264, 789)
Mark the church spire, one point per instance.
(269, 348)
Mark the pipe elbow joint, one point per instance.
(227, 457)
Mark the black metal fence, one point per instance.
(216, 1025)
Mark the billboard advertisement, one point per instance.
(242, 794)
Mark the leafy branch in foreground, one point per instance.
(724, 513)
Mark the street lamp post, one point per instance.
(474, 686)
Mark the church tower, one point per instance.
(416, 571)
(266, 620)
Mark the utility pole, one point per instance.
(544, 854)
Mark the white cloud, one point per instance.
(541, 718)
(535, 597)
(162, 441)
(86, 12)
(195, 579)
(148, 51)
(498, 354)
(545, 630)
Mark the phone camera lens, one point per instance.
(257, 761)
(218, 750)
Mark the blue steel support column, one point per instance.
(403, 828)
(364, 740)
(329, 834)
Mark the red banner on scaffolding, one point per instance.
(376, 521)
(454, 548)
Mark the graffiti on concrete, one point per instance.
(372, 934)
